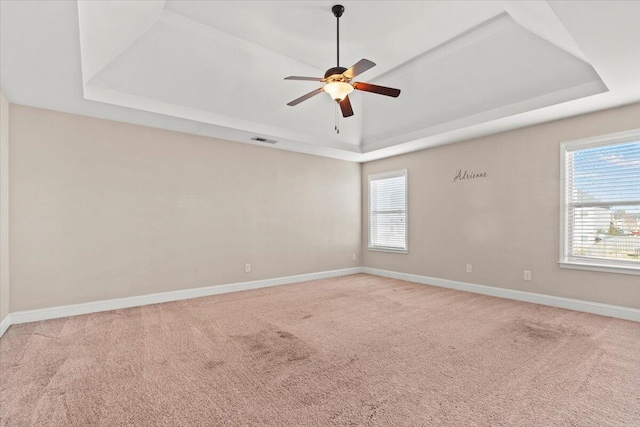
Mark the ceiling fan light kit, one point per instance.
(338, 90)
(337, 80)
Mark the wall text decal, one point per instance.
(460, 175)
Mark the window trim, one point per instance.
(587, 263)
(389, 174)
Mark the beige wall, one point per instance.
(4, 207)
(506, 223)
(101, 209)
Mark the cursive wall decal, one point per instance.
(460, 175)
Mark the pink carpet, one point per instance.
(356, 350)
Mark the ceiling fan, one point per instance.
(338, 79)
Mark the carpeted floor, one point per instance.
(355, 350)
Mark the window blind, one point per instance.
(388, 211)
(602, 203)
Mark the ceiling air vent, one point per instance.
(265, 140)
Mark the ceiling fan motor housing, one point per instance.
(337, 72)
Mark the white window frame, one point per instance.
(584, 263)
(391, 174)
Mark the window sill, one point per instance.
(393, 251)
(602, 267)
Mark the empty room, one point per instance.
(315, 213)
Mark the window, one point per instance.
(388, 211)
(601, 203)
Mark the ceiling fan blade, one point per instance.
(359, 68)
(305, 97)
(311, 79)
(345, 106)
(382, 90)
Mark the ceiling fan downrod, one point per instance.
(338, 10)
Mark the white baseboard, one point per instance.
(5, 323)
(568, 303)
(114, 304)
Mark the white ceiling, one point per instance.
(216, 68)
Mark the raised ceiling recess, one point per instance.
(466, 69)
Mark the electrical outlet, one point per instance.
(469, 268)
(353, 257)
(247, 268)
(527, 275)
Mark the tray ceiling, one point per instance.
(465, 68)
